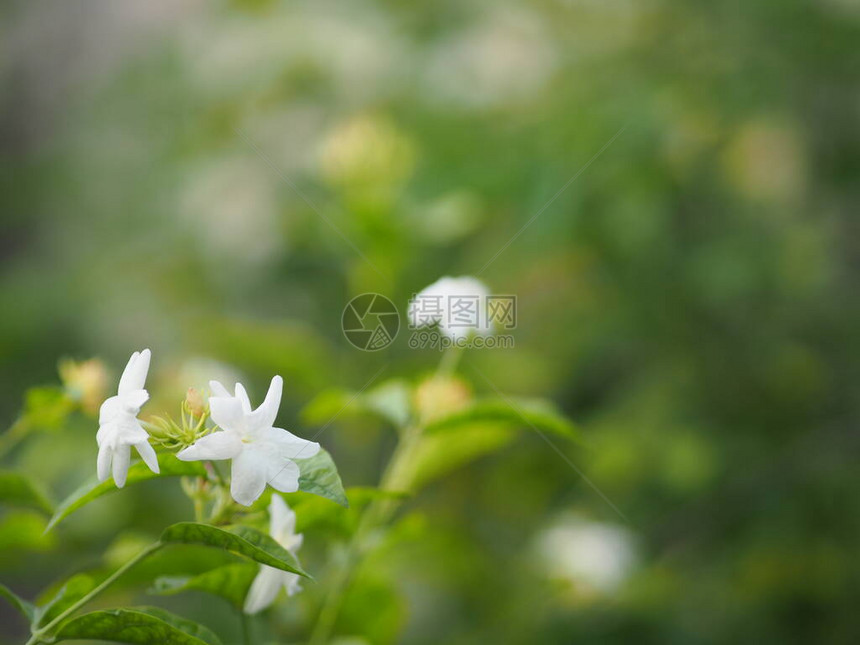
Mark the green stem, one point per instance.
(449, 362)
(246, 628)
(13, 436)
(107, 582)
(396, 478)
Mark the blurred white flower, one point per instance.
(267, 584)
(458, 305)
(506, 59)
(119, 428)
(261, 453)
(595, 556)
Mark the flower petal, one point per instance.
(248, 476)
(292, 583)
(263, 590)
(227, 413)
(285, 478)
(147, 453)
(121, 458)
(282, 519)
(133, 401)
(222, 444)
(134, 375)
(219, 390)
(289, 446)
(103, 463)
(242, 395)
(264, 416)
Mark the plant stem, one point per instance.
(246, 628)
(107, 582)
(16, 432)
(396, 478)
(449, 362)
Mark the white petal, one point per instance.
(264, 416)
(133, 401)
(283, 476)
(248, 476)
(282, 519)
(288, 446)
(263, 590)
(221, 444)
(103, 464)
(219, 390)
(242, 395)
(227, 413)
(134, 375)
(110, 409)
(121, 458)
(147, 453)
(291, 582)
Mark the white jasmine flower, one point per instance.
(596, 556)
(119, 428)
(261, 453)
(458, 305)
(267, 584)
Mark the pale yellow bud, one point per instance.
(85, 382)
(195, 403)
(437, 397)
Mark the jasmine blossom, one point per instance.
(261, 453)
(267, 584)
(119, 427)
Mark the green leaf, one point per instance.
(317, 514)
(520, 413)
(138, 626)
(440, 453)
(231, 583)
(318, 475)
(19, 490)
(27, 609)
(242, 540)
(72, 591)
(46, 408)
(169, 466)
(390, 401)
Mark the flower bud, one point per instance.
(85, 382)
(437, 397)
(195, 403)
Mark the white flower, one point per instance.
(457, 304)
(596, 556)
(261, 454)
(119, 428)
(267, 584)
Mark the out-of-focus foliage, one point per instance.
(217, 180)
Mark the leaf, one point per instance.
(230, 582)
(318, 475)
(390, 401)
(46, 408)
(169, 466)
(440, 453)
(19, 490)
(319, 515)
(242, 540)
(521, 413)
(73, 590)
(24, 530)
(183, 624)
(139, 626)
(26, 608)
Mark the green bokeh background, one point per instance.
(216, 181)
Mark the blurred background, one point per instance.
(216, 180)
